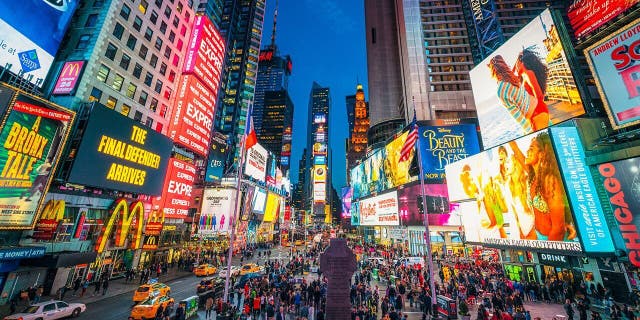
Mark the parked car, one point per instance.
(147, 309)
(54, 309)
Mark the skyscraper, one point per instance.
(357, 145)
(277, 118)
(273, 75)
(318, 143)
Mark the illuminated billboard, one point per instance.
(256, 163)
(319, 192)
(259, 201)
(411, 206)
(31, 138)
(217, 211)
(518, 196)
(525, 85)
(192, 120)
(119, 153)
(205, 54)
(176, 193)
(613, 63)
(587, 15)
(68, 78)
(381, 210)
(441, 145)
(355, 213)
(272, 208)
(216, 159)
(346, 195)
(31, 33)
(319, 118)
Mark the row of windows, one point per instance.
(117, 82)
(112, 102)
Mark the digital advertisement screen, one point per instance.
(437, 205)
(272, 208)
(587, 15)
(205, 54)
(346, 195)
(441, 145)
(216, 212)
(613, 63)
(381, 210)
(525, 85)
(247, 200)
(256, 163)
(319, 192)
(119, 153)
(517, 195)
(355, 213)
(259, 201)
(32, 137)
(176, 194)
(582, 192)
(217, 154)
(28, 46)
(69, 77)
(191, 123)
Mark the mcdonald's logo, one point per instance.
(71, 69)
(123, 214)
(68, 77)
(53, 210)
(150, 243)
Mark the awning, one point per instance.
(67, 259)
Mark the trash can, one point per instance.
(190, 306)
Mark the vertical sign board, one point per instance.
(217, 154)
(613, 62)
(176, 194)
(589, 217)
(31, 138)
(205, 53)
(256, 163)
(69, 78)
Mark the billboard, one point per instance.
(256, 163)
(31, 47)
(411, 206)
(355, 214)
(259, 201)
(69, 78)
(247, 200)
(320, 160)
(217, 155)
(176, 193)
(272, 208)
(582, 192)
(518, 198)
(319, 192)
(217, 210)
(346, 195)
(441, 145)
(621, 182)
(612, 61)
(205, 54)
(119, 153)
(33, 134)
(525, 85)
(381, 210)
(319, 118)
(192, 119)
(587, 15)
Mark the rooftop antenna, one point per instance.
(273, 34)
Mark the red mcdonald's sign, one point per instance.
(68, 77)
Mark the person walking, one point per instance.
(105, 286)
(85, 286)
(76, 285)
(208, 307)
(568, 309)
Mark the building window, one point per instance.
(167, 52)
(167, 12)
(118, 30)
(96, 94)
(148, 34)
(125, 110)
(98, 3)
(143, 51)
(138, 116)
(187, 16)
(163, 110)
(92, 20)
(172, 76)
(149, 122)
(148, 79)
(373, 35)
(158, 88)
(143, 6)
(103, 73)
(137, 70)
(159, 128)
(183, 30)
(111, 102)
(125, 12)
(163, 68)
(111, 51)
(143, 98)
(159, 3)
(167, 93)
(179, 7)
(154, 17)
(83, 41)
(158, 44)
(124, 62)
(131, 42)
(179, 44)
(163, 27)
(172, 36)
(117, 82)
(153, 61)
(154, 104)
(176, 60)
(131, 90)
(137, 23)
(176, 21)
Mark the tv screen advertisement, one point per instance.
(119, 153)
(28, 46)
(586, 16)
(32, 136)
(272, 208)
(355, 213)
(518, 195)
(216, 159)
(205, 54)
(216, 212)
(612, 61)
(525, 85)
(380, 210)
(259, 201)
(437, 205)
(256, 163)
(441, 145)
(176, 193)
(346, 194)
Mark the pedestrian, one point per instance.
(76, 285)
(85, 286)
(96, 285)
(159, 312)
(38, 294)
(208, 307)
(180, 314)
(105, 286)
(568, 309)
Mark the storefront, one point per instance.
(63, 268)
(14, 278)
(560, 267)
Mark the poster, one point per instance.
(381, 210)
(441, 145)
(217, 210)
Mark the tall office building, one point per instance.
(133, 53)
(318, 144)
(273, 75)
(357, 145)
(277, 122)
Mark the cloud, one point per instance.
(335, 17)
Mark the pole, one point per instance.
(427, 237)
(233, 220)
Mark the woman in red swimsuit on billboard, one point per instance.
(533, 74)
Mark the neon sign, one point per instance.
(124, 215)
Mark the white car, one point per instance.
(53, 309)
(234, 271)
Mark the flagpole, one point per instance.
(427, 234)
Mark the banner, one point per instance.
(31, 138)
(613, 63)
(587, 15)
(441, 145)
(620, 180)
(217, 210)
(525, 85)
(69, 78)
(256, 162)
(381, 210)
(518, 196)
(176, 193)
(47, 224)
(582, 191)
(216, 160)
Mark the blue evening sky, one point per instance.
(326, 41)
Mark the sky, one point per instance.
(326, 41)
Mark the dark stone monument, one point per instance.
(338, 263)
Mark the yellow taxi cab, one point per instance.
(299, 242)
(147, 309)
(250, 268)
(204, 270)
(148, 290)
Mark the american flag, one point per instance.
(412, 137)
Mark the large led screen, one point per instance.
(205, 53)
(525, 85)
(176, 193)
(587, 15)
(613, 63)
(217, 209)
(517, 194)
(346, 195)
(30, 34)
(272, 208)
(441, 145)
(259, 201)
(381, 210)
(411, 205)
